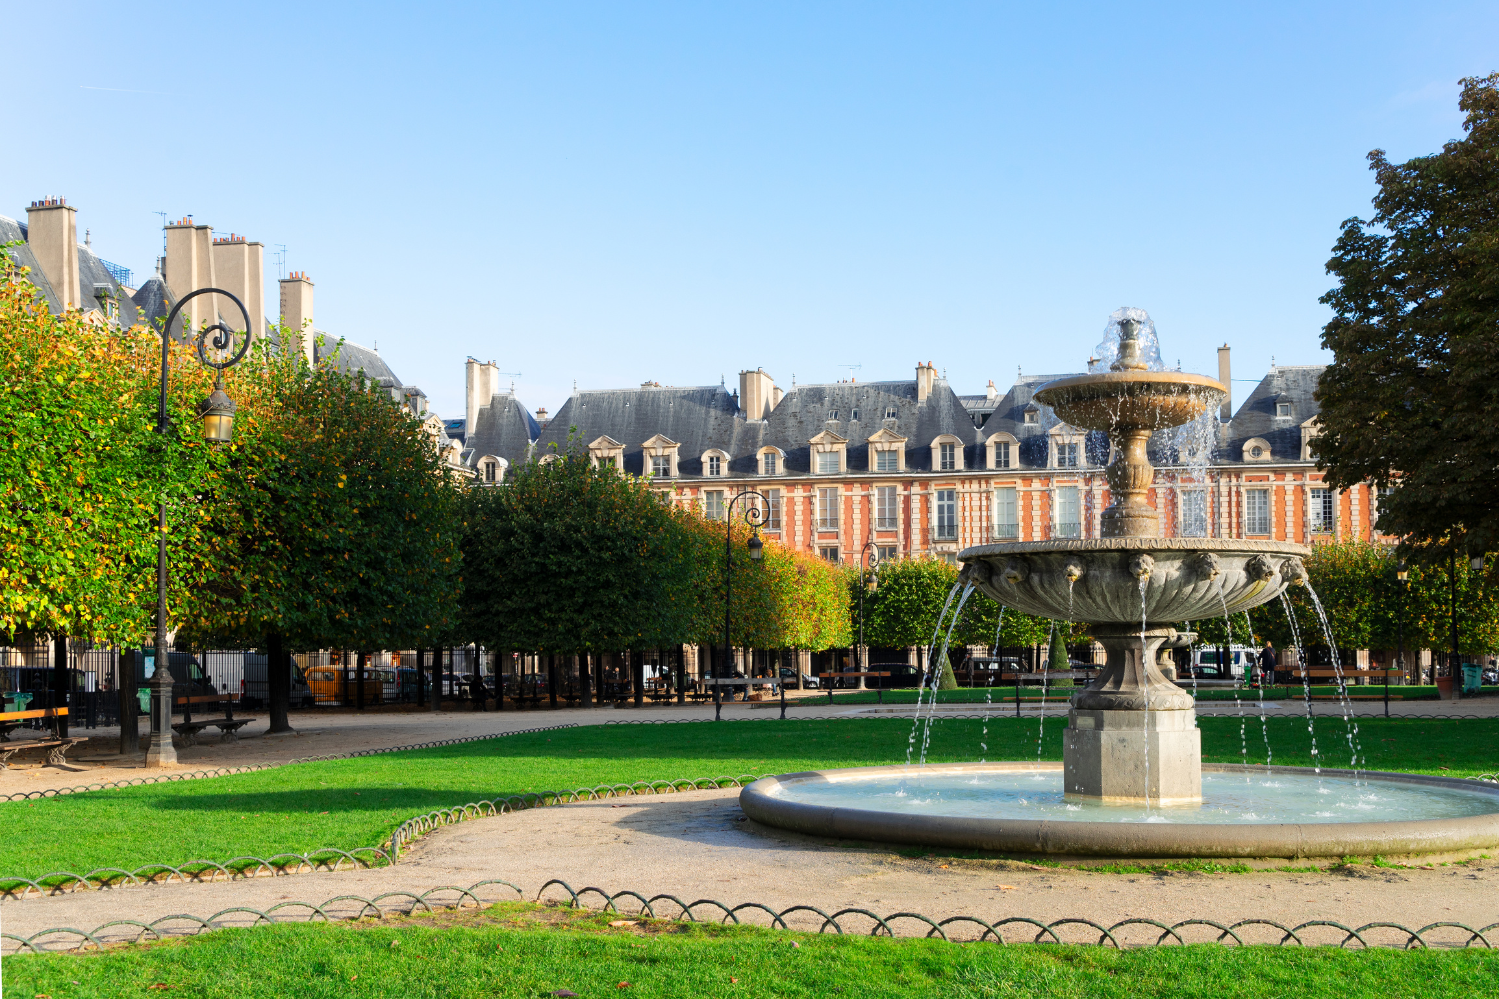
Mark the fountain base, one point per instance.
(1102, 758)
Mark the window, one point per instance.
(491, 469)
(1256, 452)
(889, 412)
(854, 415)
(1032, 417)
(1069, 512)
(713, 504)
(828, 553)
(887, 553)
(1319, 513)
(715, 465)
(1002, 454)
(1066, 455)
(1282, 409)
(1195, 514)
(827, 462)
(947, 513)
(773, 515)
(887, 460)
(1256, 511)
(947, 457)
(606, 462)
(661, 466)
(832, 414)
(885, 508)
(827, 509)
(949, 557)
(1006, 518)
(768, 463)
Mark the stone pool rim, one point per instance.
(1082, 838)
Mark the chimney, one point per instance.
(991, 392)
(239, 267)
(757, 394)
(189, 266)
(541, 417)
(1226, 411)
(52, 237)
(474, 377)
(926, 377)
(296, 315)
(775, 397)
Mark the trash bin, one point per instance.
(1472, 679)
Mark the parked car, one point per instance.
(336, 685)
(254, 691)
(188, 678)
(1206, 664)
(790, 676)
(902, 675)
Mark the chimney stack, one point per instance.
(239, 267)
(189, 266)
(1226, 411)
(481, 382)
(52, 236)
(296, 315)
(926, 377)
(757, 394)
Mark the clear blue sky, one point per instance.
(614, 192)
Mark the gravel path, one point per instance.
(699, 845)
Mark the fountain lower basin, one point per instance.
(1246, 812)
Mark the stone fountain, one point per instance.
(1132, 782)
(1132, 734)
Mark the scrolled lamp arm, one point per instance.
(223, 339)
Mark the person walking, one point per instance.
(1267, 662)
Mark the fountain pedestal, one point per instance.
(1122, 745)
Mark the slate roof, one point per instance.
(1295, 384)
(503, 428)
(697, 418)
(351, 357)
(91, 275)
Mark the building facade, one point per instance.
(911, 468)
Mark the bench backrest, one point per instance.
(34, 713)
(205, 699)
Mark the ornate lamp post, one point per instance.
(1403, 576)
(217, 414)
(754, 516)
(859, 652)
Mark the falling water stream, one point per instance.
(1351, 726)
(937, 669)
(1306, 689)
(921, 690)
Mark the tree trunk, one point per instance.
(128, 685)
(277, 683)
(585, 681)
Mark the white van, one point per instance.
(1206, 665)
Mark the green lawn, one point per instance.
(359, 802)
(522, 951)
(1062, 689)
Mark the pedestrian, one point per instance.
(1268, 661)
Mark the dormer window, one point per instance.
(887, 451)
(661, 456)
(768, 463)
(661, 466)
(887, 460)
(715, 465)
(606, 453)
(854, 415)
(832, 414)
(947, 457)
(1067, 455)
(1032, 417)
(1283, 410)
(827, 463)
(491, 470)
(890, 413)
(828, 453)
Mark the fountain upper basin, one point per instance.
(1247, 811)
(1148, 399)
(1187, 579)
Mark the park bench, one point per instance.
(228, 725)
(55, 745)
(880, 690)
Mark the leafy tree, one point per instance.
(1408, 401)
(333, 525)
(567, 557)
(82, 471)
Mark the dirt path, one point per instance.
(700, 845)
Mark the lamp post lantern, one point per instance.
(754, 516)
(217, 416)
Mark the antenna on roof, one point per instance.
(851, 369)
(281, 260)
(163, 232)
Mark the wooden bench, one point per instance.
(228, 725)
(880, 690)
(56, 747)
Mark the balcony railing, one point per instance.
(884, 523)
(945, 532)
(1068, 530)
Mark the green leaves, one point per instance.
(1409, 398)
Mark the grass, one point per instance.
(1060, 690)
(527, 950)
(359, 802)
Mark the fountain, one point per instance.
(1132, 782)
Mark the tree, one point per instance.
(82, 471)
(333, 525)
(1408, 401)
